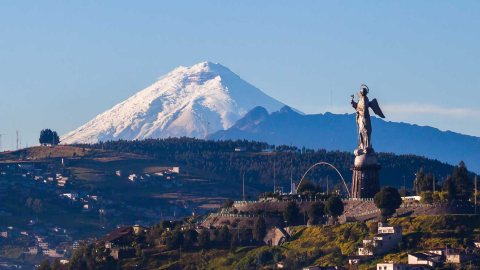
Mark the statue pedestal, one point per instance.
(365, 180)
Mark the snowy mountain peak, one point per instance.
(178, 104)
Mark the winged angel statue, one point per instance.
(363, 120)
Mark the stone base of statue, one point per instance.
(365, 180)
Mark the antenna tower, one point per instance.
(207, 126)
(17, 139)
(274, 176)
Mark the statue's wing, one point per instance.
(376, 109)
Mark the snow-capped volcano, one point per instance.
(178, 104)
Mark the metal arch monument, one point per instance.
(324, 163)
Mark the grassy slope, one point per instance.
(331, 245)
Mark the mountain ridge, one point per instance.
(338, 132)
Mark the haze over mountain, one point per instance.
(338, 132)
(178, 104)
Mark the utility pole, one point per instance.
(244, 186)
(17, 139)
(404, 192)
(291, 173)
(328, 191)
(475, 194)
(274, 176)
(1, 141)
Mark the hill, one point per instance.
(337, 132)
(320, 245)
(179, 104)
(220, 157)
(92, 172)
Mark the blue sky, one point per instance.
(64, 63)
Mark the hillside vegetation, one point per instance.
(322, 245)
(219, 157)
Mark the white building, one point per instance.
(381, 243)
(133, 177)
(53, 253)
(33, 250)
(63, 181)
(174, 170)
(43, 245)
(401, 266)
(442, 251)
(72, 196)
(430, 259)
(411, 198)
(459, 257)
(293, 189)
(6, 234)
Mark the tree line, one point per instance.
(219, 157)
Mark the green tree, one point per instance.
(387, 200)
(56, 265)
(165, 225)
(315, 212)
(260, 229)
(427, 197)
(334, 207)
(37, 206)
(49, 136)
(225, 233)
(44, 265)
(174, 239)
(92, 257)
(191, 237)
(307, 186)
(229, 203)
(290, 212)
(233, 244)
(416, 184)
(463, 183)
(449, 187)
(424, 182)
(29, 202)
(204, 239)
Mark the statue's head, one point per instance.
(364, 90)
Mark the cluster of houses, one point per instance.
(389, 237)
(429, 259)
(48, 240)
(52, 178)
(23, 179)
(30, 175)
(155, 179)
